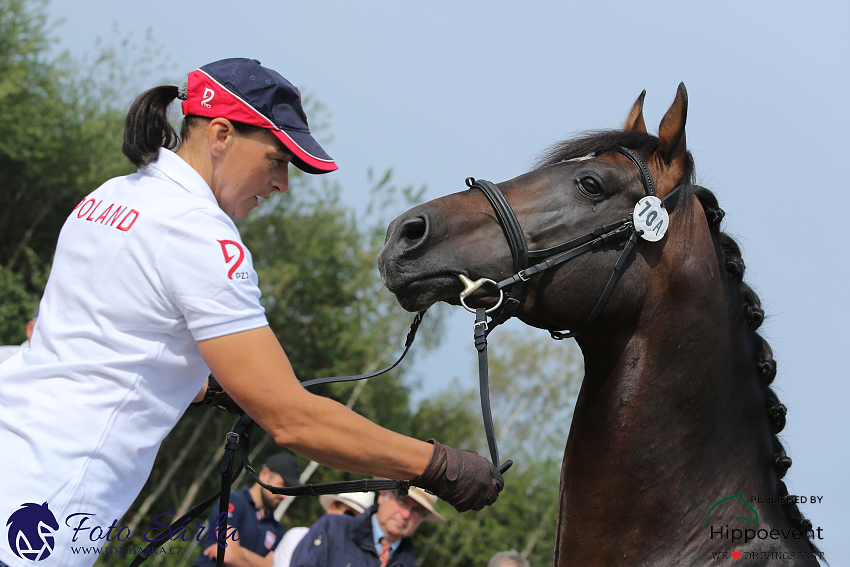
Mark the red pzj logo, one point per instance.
(229, 257)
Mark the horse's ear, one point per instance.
(635, 118)
(671, 132)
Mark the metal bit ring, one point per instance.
(471, 286)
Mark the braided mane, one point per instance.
(729, 258)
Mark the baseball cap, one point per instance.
(245, 91)
(286, 466)
(357, 500)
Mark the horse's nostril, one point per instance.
(413, 229)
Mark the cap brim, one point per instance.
(308, 154)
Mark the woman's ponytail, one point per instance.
(147, 128)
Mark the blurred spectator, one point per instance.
(8, 351)
(380, 535)
(508, 559)
(251, 512)
(351, 504)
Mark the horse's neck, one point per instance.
(679, 400)
(670, 416)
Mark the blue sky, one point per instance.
(439, 91)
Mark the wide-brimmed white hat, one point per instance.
(427, 500)
(358, 501)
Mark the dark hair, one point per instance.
(146, 128)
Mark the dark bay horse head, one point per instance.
(675, 410)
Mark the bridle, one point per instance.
(649, 221)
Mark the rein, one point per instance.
(240, 438)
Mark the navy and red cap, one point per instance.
(245, 91)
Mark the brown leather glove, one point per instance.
(464, 479)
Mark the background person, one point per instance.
(508, 559)
(251, 512)
(164, 293)
(376, 538)
(350, 504)
(10, 350)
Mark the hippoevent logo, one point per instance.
(743, 534)
(31, 531)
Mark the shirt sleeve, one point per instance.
(208, 274)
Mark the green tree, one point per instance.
(61, 139)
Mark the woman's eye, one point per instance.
(590, 186)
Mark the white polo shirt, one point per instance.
(145, 266)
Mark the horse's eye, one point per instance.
(590, 186)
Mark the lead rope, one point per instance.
(480, 333)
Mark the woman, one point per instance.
(150, 290)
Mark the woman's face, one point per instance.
(255, 165)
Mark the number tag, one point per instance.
(651, 218)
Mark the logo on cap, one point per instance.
(31, 531)
(208, 96)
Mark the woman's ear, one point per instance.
(220, 133)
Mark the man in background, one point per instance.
(8, 351)
(508, 559)
(251, 512)
(377, 537)
(351, 504)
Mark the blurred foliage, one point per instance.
(62, 126)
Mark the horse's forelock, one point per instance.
(597, 142)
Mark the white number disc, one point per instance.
(651, 218)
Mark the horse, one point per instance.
(675, 413)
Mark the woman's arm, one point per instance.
(253, 369)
